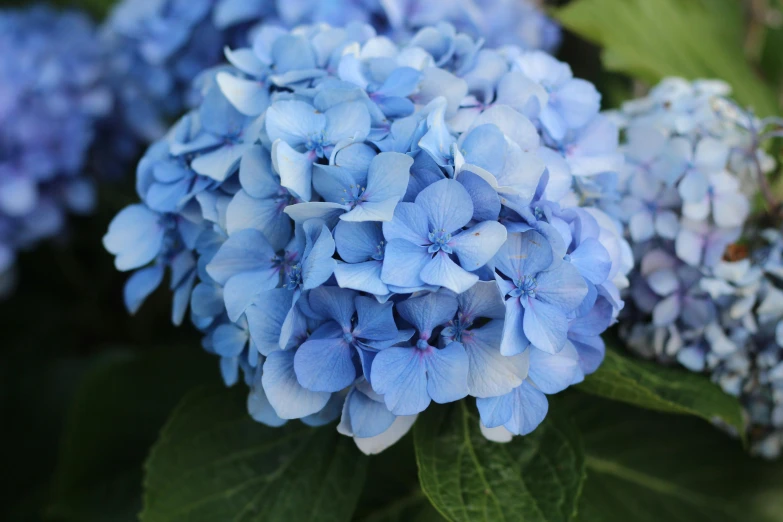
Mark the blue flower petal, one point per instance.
(289, 398)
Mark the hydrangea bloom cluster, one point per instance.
(706, 286)
(361, 229)
(51, 94)
(160, 46)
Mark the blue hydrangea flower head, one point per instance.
(705, 289)
(361, 231)
(158, 47)
(52, 96)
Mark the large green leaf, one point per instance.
(652, 39)
(537, 478)
(214, 463)
(645, 466)
(661, 388)
(117, 412)
(392, 492)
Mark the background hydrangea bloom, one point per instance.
(159, 46)
(350, 241)
(51, 95)
(706, 287)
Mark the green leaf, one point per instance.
(391, 492)
(652, 39)
(645, 466)
(662, 388)
(115, 417)
(214, 463)
(537, 478)
(35, 392)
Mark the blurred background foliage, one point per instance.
(86, 389)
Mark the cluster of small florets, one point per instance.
(361, 229)
(51, 94)
(159, 46)
(704, 288)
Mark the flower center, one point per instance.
(379, 251)
(421, 344)
(315, 143)
(294, 277)
(458, 327)
(348, 337)
(439, 239)
(355, 196)
(525, 287)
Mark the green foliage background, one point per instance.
(113, 418)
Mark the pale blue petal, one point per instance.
(242, 289)
(447, 204)
(553, 373)
(135, 236)
(364, 277)
(250, 97)
(409, 223)
(256, 175)
(376, 320)
(399, 374)
(591, 350)
(545, 325)
(388, 176)
(328, 212)
(442, 271)
(349, 121)
(514, 339)
(530, 407)
(526, 253)
(694, 186)
(578, 102)
(334, 303)
(486, 202)
(357, 242)
(228, 340)
(403, 264)
(490, 373)
(447, 373)
(667, 311)
(318, 265)
(592, 260)
(289, 398)
(428, 311)
(265, 215)
(259, 408)
(219, 163)
(293, 121)
(477, 245)
(368, 418)
(563, 287)
(140, 285)
(265, 319)
(295, 169)
(485, 147)
(325, 365)
(246, 251)
(482, 300)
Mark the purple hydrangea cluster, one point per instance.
(51, 95)
(361, 229)
(705, 290)
(160, 46)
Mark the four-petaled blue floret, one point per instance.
(362, 231)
